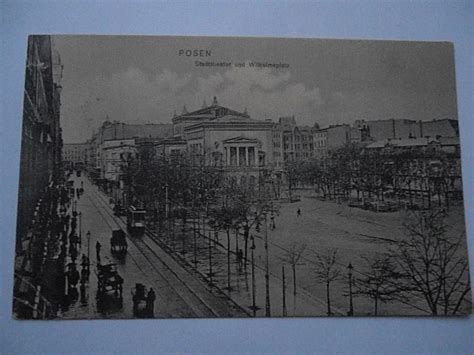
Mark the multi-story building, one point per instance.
(75, 154)
(439, 128)
(320, 142)
(277, 135)
(116, 153)
(448, 145)
(334, 137)
(389, 128)
(241, 145)
(40, 169)
(119, 132)
(304, 146)
(297, 141)
(41, 133)
(288, 126)
(206, 113)
(402, 128)
(338, 136)
(170, 147)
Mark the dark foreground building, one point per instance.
(40, 164)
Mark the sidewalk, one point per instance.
(300, 304)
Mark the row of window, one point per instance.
(303, 138)
(305, 146)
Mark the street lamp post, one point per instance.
(195, 242)
(210, 259)
(284, 290)
(267, 273)
(351, 305)
(80, 227)
(88, 244)
(254, 307)
(229, 288)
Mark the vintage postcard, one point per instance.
(203, 177)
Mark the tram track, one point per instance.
(187, 295)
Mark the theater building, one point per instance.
(226, 138)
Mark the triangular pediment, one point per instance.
(241, 139)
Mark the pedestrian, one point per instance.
(272, 222)
(73, 275)
(150, 302)
(73, 252)
(85, 262)
(97, 249)
(298, 213)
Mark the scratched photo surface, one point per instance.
(202, 177)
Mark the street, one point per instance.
(178, 293)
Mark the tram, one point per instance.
(136, 221)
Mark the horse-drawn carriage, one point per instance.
(118, 242)
(119, 210)
(108, 279)
(142, 304)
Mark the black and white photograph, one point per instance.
(231, 177)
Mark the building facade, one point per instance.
(228, 138)
(115, 133)
(403, 129)
(40, 170)
(75, 154)
(297, 141)
(116, 153)
(41, 143)
(320, 143)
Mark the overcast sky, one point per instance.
(143, 79)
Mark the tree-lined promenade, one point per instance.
(416, 178)
(192, 206)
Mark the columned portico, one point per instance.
(241, 152)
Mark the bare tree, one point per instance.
(380, 283)
(435, 265)
(326, 272)
(224, 219)
(293, 256)
(248, 207)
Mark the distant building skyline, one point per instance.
(143, 79)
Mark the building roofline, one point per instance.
(256, 123)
